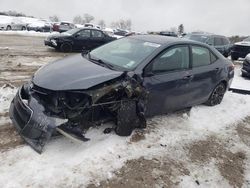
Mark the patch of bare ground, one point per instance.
(9, 138)
(243, 130)
(230, 165)
(137, 136)
(142, 173)
(4, 114)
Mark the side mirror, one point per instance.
(77, 35)
(147, 72)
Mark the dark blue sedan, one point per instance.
(124, 81)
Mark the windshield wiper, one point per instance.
(100, 62)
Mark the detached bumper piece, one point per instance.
(33, 125)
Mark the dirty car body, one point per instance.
(124, 81)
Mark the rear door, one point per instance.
(205, 71)
(168, 83)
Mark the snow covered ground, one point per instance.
(66, 163)
(27, 33)
(211, 143)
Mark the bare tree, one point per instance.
(122, 24)
(101, 23)
(54, 18)
(173, 29)
(88, 18)
(181, 29)
(78, 20)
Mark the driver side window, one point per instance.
(173, 59)
(84, 33)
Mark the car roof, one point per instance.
(90, 28)
(163, 40)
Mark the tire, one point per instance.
(66, 47)
(234, 57)
(217, 95)
(127, 119)
(8, 28)
(23, 28)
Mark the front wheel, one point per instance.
(66, 47)
(217, 95)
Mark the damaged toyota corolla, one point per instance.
(124, 81)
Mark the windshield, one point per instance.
(199, 38)
(125, 53)
(247, 39)
(72, 31)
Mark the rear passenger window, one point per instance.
(202, 56)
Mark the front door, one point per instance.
(82, 40)
(97, 39)
(168, 83)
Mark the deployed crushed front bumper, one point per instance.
(50, 43)
(31, 122)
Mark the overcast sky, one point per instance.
(227, 17)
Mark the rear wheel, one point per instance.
(217, 95)
(8, 28)
(66, 47)
(23, 28)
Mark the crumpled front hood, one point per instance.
(243, 43)
(72, 73)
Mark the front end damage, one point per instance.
(38, 113)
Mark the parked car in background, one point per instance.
(41, 26)
(120, 32)
(221, 43)
(168, 33)
(78, 39)
(55, 26)
(240, 49)
(124, 81)
(14, 24)
(246, 67)
(92, 25)
(65, 26)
